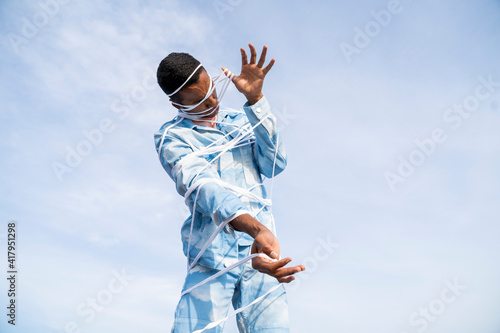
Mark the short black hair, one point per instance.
(175, 69)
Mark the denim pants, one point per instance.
(239, 287)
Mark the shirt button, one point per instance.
(258, 110)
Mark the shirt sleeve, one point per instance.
(267, 138)
(214, 200)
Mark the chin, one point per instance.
(213, 113)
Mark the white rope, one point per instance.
(223, 148)
(186, 110)
(235, 312)
(182, 85)
(232, 143)
(164, 134)
(244, 133)
(224, 271)
(238, 190)
(210, 149)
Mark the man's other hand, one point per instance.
(266, 242)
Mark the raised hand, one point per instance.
(251, 79)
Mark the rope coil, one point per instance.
(245, 132)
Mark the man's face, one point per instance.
(194, 93)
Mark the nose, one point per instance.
(212, 100)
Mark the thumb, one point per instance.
(270, 252)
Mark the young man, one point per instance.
(216, 158)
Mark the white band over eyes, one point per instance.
(186, 110)
(182, 85)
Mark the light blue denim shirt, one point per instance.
(241, 166)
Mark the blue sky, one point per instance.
(415, 254)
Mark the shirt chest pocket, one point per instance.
(250, 168)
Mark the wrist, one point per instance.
(247, 224)
(252, 99)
